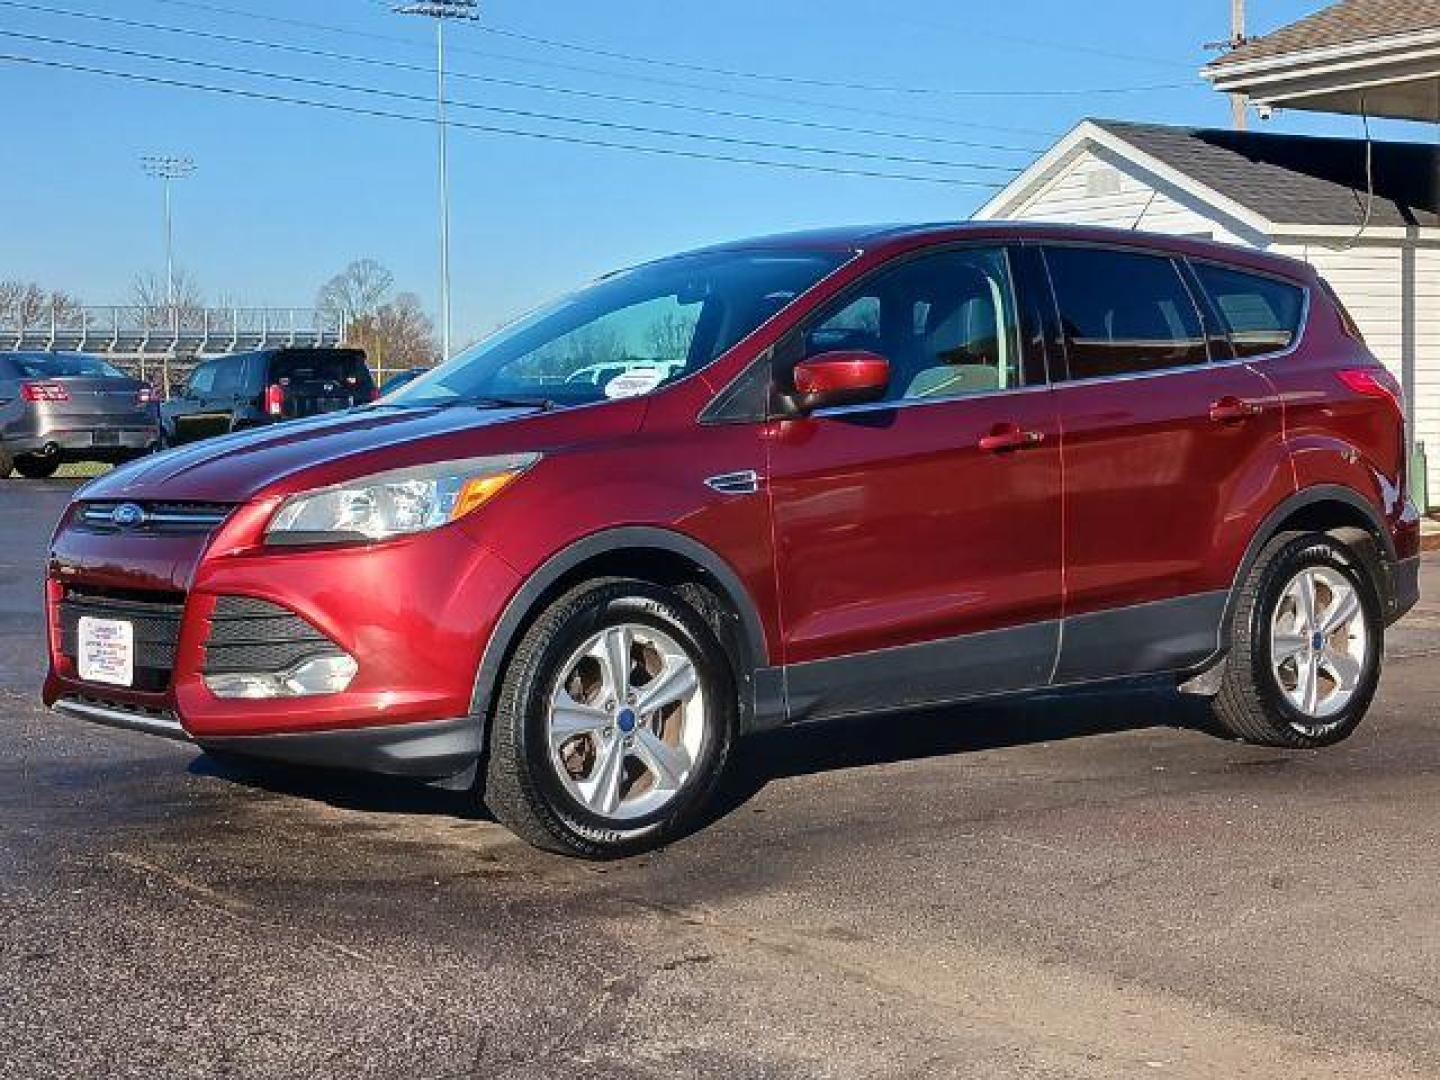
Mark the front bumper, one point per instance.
(426, 751)
(414, 614)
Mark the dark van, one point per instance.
(246, 390)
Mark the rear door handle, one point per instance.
(1228, 410)
(1006, 437)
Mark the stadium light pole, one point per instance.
(169, 168)
(442, 11)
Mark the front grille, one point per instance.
(256, 636)
(159, 518)
(154, 616)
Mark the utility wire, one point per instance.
(753, 95)
(398, 65)
(732, 73)
(523, 114)
(491, 129)
(802, 80)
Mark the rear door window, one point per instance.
(228, 378)
(202, 381)
(1262, 314)
(1124, 312)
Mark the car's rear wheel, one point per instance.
(37, 468)
(1307, 638)
(614, 720)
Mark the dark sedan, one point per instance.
(62, 407)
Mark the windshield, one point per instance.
(627, 334)
(60, 366)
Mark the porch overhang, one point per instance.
(1396, 77)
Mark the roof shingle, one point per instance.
(1340, 24)
(1299, 179)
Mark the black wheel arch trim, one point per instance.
(626, 538)
(1270, 527)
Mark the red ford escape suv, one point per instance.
(833, 473)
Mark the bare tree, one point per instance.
(148, 292)
(25, 303)
(356, 292)
(396, 336)
(670, 337)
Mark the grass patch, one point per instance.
(82, 470)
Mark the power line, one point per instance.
(497, 110)
(492, 129)
(753, 95)
(493, 80)
(802, 80)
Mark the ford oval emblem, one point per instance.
(128, 516)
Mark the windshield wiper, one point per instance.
(501, 402)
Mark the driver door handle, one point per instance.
(1007, 437)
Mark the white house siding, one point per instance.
(1369, 279)
(1107, 190)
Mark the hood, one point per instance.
(314, 452)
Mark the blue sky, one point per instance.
(286, 195)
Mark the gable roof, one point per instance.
(1300, 179)
(1267, 182)
(1344, 23)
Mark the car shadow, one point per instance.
(827, 746)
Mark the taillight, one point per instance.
(148, 395)
(275, 400)
(44, 391)
(374, 393)
(1375, 382)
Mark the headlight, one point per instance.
(392, 504)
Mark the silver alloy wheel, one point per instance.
(626, 722)
(1319, 642)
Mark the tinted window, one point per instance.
(343, 369)
(60, 366)
(1261, 313)
(1123, 312)
(202, 380)
(946, 323)
(229, 378)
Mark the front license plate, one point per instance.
(107, 651)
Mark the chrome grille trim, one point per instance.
(161, 518)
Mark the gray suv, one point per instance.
(61, 407)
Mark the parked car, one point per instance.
(62, 407)
(895, 469)
(402, 378)
(247, 390)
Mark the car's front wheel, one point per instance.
(1307, 638)
(614, 720)
(37, 468)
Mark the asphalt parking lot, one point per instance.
(1086, 887)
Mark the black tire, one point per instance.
(1251, 704)
(523, 790)
(37, 468)
(7, 464)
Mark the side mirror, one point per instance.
(840, 378)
